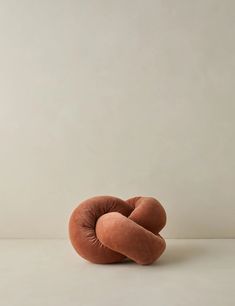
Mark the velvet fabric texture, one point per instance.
(106, 229)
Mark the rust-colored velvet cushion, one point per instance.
(106, 229)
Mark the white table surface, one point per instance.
(48, 273)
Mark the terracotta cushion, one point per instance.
(106, 229)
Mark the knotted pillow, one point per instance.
(106, 229)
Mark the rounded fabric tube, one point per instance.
(148, 212)
(123, 235)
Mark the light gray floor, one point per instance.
(48, 273)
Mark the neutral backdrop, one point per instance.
(117, 97)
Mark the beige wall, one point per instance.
(121, 98)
